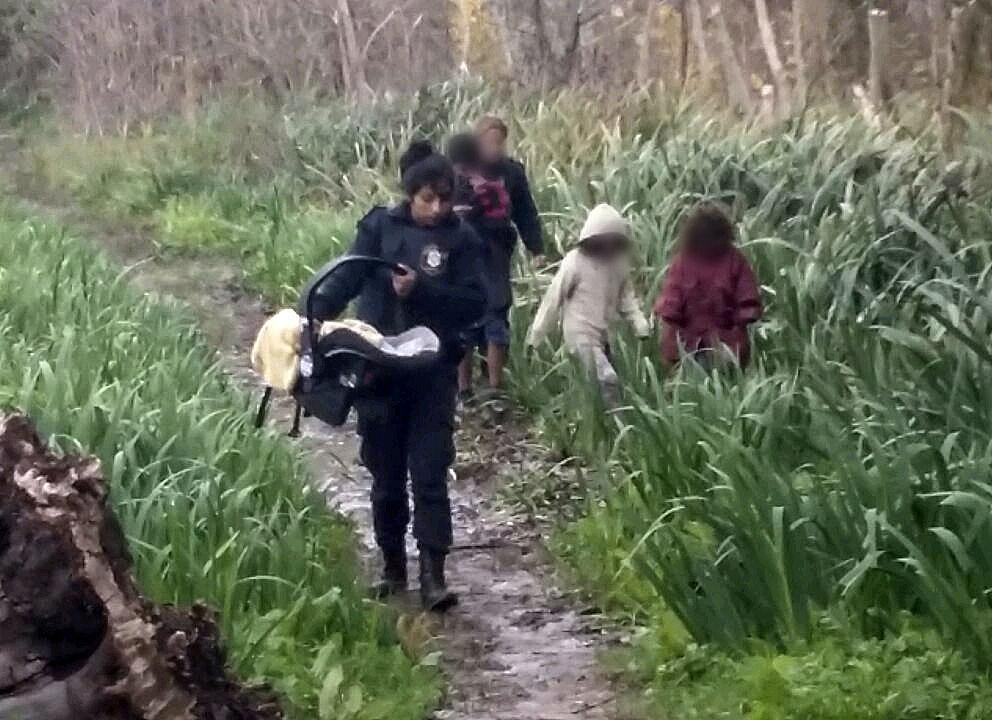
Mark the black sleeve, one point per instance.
(524, 209)
(460, 301)
(334, 293)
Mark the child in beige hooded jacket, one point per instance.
(590, 291)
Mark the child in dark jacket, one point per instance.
(710, 295)
(502, 212)
(492, 195)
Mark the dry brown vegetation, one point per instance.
(108, 63)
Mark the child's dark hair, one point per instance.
(463, 149)
(421, 166)
(707, 223)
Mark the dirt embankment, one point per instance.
(77, 639)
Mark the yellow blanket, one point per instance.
(276, 352)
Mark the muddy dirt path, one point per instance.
(517, 647)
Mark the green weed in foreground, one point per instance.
(908, 677)
(213, 509)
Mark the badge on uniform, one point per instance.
(433, 260)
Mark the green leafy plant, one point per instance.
(213, 509)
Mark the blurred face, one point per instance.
(492, 144)
(430, 205)
(707, 233)
(708, 244)
(606, 247)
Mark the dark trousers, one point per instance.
(413, 438)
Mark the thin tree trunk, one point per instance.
(346, 78)
(705, 59)
(775, 64)
(880, 87)
(645, 49)
(868, 111)
(819, 15)
(799, 52)
(733, 72)
(356, 65)
(464, 25)
(963, 43)
(940, 63)
(572, 48)
(684, 42)
(189, 76)
(768, 109)
(499, 18)
(545, 59)
(940, 41)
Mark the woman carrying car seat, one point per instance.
(440, 287)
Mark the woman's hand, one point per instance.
(404, 281)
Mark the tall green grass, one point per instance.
(845, 474)
(844, 479)
(213, 509)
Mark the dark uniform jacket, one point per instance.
(449, 294)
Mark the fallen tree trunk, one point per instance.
(77, 639)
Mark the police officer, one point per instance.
(441, 287)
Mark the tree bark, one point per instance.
(868, 111)
(557, 55)
(782, 90)
(769, 109)
(810, 27)
(965, 29)
(880, 86)
(940, 41)
(189, 75)
(705, 60)
(645, 45)
(572, 48)
(77, 640)
(940, 63)
(799, 52)
(733, 71)
(962, 48)
(358, 80)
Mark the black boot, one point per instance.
(434, 594)
(393, 574)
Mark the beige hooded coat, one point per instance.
(589, 294)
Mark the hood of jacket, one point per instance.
(604, 220)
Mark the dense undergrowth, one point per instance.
(213, 509)
(821, 523)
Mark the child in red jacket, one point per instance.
(710, 295)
